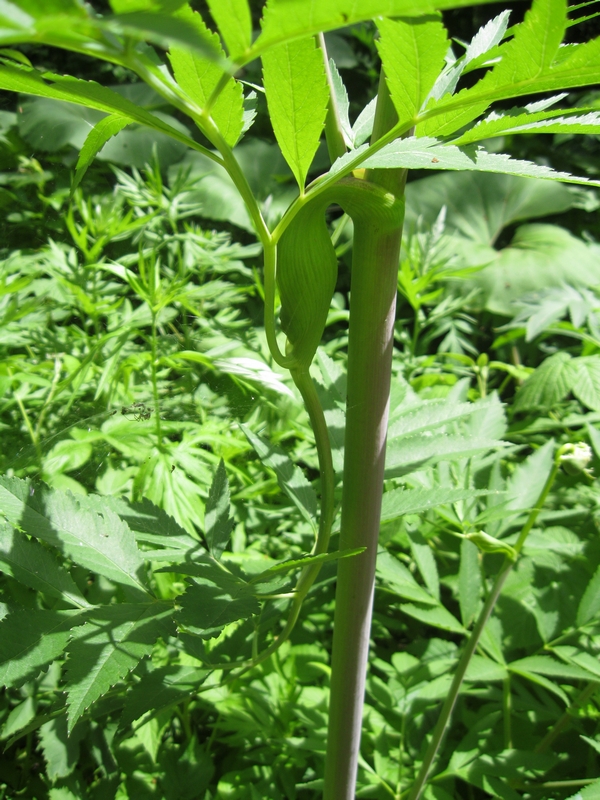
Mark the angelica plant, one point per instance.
(423, 117)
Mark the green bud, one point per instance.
(488, 544)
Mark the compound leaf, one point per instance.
(214, 599)
(548, 385)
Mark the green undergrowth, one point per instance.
(153, 454)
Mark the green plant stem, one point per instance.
(566, 718)
(309, 574)
(507, 709)
(153, 354)
(372, 317)
(473, 641)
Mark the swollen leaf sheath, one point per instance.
(307, 264)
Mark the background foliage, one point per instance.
(132, 354)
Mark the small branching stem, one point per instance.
(473, 641)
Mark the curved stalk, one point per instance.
(309, 574)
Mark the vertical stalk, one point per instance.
(153, 343)
(372, 316)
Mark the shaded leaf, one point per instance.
(102, 542)
(217, 522)
(289, 477)
(214, 599)
(436, 616)
(424, 558)
(469, 582)
(110, 644)
(589, 605)
(400, 580)
(160, 689)
(35, 566)
(30, 639)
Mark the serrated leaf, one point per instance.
(436, 616)
(61, 751)
(297, 96)
(546, 665)
(35, 566)
(527, 481)
(469, 582)
(108, 646)
(590, 792)
(486, 38)
(342, 103)
(291, 19)
(518, 120)
(84, 93)
(589, 605)
(363, 126)
(30, 639)
(95, 141)
(300, 563)
(289, 477)
(102, 542)
(430, 416)
(217, 522)
(215, 598)
(160, 689)
(548, 385)
(198, 77)
(424, 558)
(413, 452)
(400, 580)
(484, 669)
(586, 386)
(429, 153)
(166, 30)
(541, 680)
(235, 24)
(412, 56)
(531, 62)
(399, 502)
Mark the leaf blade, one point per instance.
(297, 96)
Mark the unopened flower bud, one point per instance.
(575, 457)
